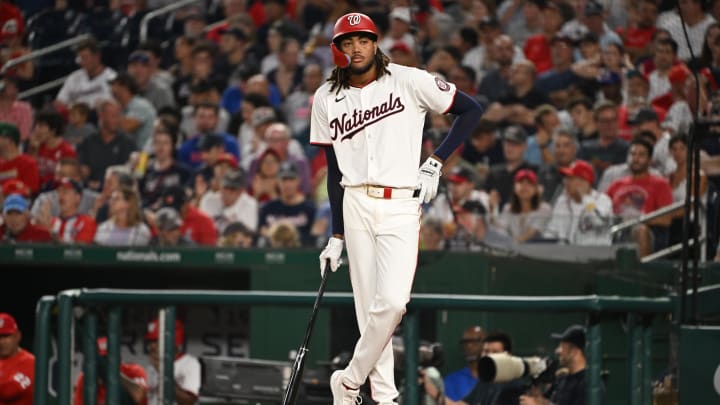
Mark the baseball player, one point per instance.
(369, 117)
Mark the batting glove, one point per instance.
(332, 251)
(428, 179)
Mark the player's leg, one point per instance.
(360, 246)
(396, 259)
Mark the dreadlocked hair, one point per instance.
(340, 78)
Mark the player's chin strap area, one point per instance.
(341, 60)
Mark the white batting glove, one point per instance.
(428, 179)
(332, 251)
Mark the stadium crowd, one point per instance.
(198, 133)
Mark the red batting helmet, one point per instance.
(352, 23)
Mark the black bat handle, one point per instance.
(298, 365)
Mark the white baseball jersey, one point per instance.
(393, 108)
(187, 373)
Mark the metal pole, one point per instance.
(411, 342)
(166, 341)
(647, 361)
(636, 370)
(695, 180)
(112, 380)
(41, 348)
(65, 347)
(164, 10)
(594, 348)
(44, 51)
(90, 351)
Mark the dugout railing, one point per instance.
(639, 312)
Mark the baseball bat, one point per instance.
(299, 364)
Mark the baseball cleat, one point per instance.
(342, 395)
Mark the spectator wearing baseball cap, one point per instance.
(292, 205)
(447, 206)
(17, 227)
(399, 30)
(167, 226)
(499, 183)
(569, 388)
(594, 21)
(231, 203)
(525, 216)
(196, 225)
(581, 215)
(679, 117)
(13, 163)
(17, 380)
(647, 119)
(187, 369)
(152, 89)
(71, 227)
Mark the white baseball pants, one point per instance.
(381, 237)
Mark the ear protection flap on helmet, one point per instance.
(341, 59)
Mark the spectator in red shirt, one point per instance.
(133, 380)
(537, 47)
(13, 110)
(17, 365)
(11, 20)
(196, 225)
(70, 227)
(637, 37)
(13, 163)
(48, 145)
(642, 193)
(17, 226)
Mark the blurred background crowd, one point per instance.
(193, 129)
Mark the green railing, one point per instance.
(639, 311)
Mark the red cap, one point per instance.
(8, 326)
(678, 73)
(401, 46)
(153, 331)
(526, 174)
(580, 168)
(102, 346)
(15, 186)
(228, 158)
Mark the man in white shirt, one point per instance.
(231, 203)
(581, 215)
(186, 368)
(90, 83)
(696, 23)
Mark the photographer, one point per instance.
(460, 382)
(569, 385)
(488, 393)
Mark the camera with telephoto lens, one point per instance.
(430, 354)
(503, 367)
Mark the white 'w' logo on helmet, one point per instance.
(353, 19)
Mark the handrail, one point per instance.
(216, 24)
(647, 217)
(163, 10)
(669, 250)
(68, 299)
(44, 51)
(42, 87)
